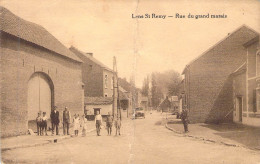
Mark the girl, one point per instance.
(76, 123)
(84, 125)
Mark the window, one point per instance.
(90, 67)
(257, 100)
(106, 78)
(105, 95)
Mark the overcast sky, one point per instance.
(107, 29)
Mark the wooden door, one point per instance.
(39, 95)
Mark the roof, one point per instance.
(228, 36)
(174, 98)
(98, 100)
(144, 99)
(123, 95)
(31, 32)
(122, 89)
(83, 55)
(240, 69)
(250, 42)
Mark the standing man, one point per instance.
(109, 123)
(66, 121)
(184, 118)
(55, 120)
(98, 122)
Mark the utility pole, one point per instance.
(114, 88)
(116, 98)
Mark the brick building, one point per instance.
(246, 87)
(207, 82)
(97, 77)
(37, 72)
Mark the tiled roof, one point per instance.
(83, 55)
(33, 33)
(98, 100)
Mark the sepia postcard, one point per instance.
(130, 82)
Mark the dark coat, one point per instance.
(55, 117)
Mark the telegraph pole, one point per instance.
(115, 94)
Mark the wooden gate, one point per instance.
(40, 95)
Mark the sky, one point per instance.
(141, 46)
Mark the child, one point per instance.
(44, 123)
(109, 123)
(39, 124)
(84, 125)
(117, 125)
(76, 123)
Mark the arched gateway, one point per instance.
(40, 95)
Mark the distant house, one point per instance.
(165, 105)
(103, 105)
(97, 77)
(37, 73)
(144, 103)
(207, 82)
(125, 100)
(174, 103)
(246, 87)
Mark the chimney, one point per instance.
(90, 53)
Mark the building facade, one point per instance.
(103, 105)
(246, 87)
(97, 77)
(37, 73)
(207, 82)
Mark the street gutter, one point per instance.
(45, 142)
(206, 139)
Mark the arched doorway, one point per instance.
(40, 95)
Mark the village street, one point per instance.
(142, 141)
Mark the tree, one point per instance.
(145, 87)
(163, 84)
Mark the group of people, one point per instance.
(109, 123)
(78, 123)
(41, 122)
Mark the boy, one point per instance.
(109, 123)
(44, 123)
(98, 122)
(39, 124)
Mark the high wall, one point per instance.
(19, 61)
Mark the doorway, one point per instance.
(96, 110)
(239, 107)
(40, 96)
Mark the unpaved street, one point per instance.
(142, 141)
